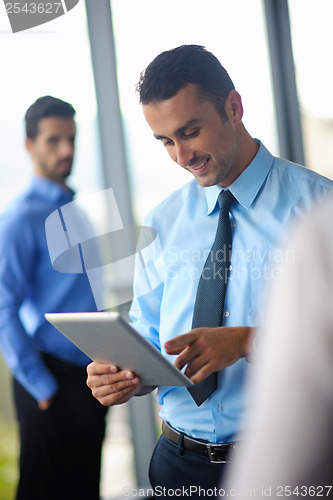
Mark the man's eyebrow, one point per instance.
(180, 130)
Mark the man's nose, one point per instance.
(67, 148)
(184, 154)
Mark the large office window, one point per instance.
(235, 33)
(50, 59)
(312, 36)
(233, 30)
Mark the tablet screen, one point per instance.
(106, 337)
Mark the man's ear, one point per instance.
(235, 106)
(29, 144)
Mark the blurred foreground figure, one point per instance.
(61, 425)
(289, 450)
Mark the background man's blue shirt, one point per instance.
(29, 287)
(269, 194)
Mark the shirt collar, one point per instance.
(50, 190)
(246, 187)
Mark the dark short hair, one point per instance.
(42, 108)
(172, 70)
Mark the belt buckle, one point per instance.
(212, 456)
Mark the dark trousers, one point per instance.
(175, 472)
(60, 451)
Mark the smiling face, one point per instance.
(52, 150)
(195, 136)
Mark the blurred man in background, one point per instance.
(61, 425)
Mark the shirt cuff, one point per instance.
(255, 344)
(44, 388)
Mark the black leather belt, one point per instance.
(217, 453)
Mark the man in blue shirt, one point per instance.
(61, 427)
(192, 107)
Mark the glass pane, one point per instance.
(312, 37)
(50, 59)
(146, 28)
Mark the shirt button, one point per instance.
(226, 314)
(219, 408)
(230, 268)
(234, 225)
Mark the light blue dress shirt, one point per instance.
(29, 287)
(269, 194)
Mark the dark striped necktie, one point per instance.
(209, 302)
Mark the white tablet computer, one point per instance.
(107, 338)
